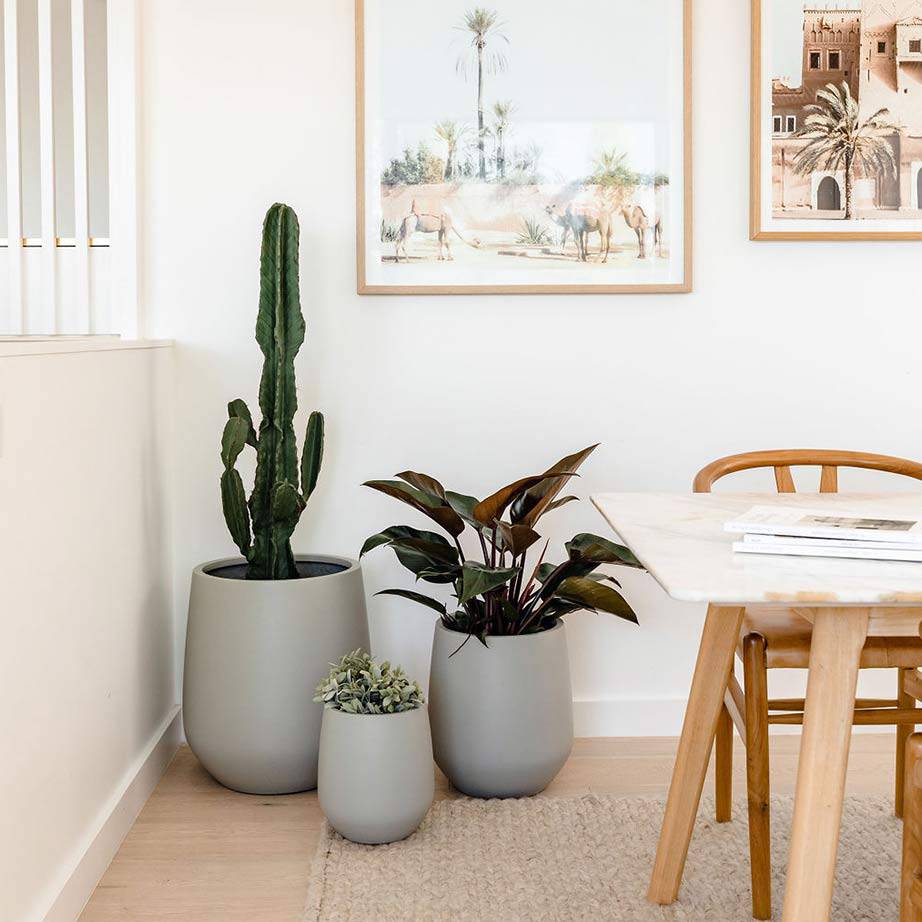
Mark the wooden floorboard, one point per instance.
(201, 853)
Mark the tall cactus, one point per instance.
(277, 501)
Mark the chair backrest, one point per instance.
(829, 463)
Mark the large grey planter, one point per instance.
(502, 718)
(255, 651)
(376, 774)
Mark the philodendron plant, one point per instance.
(359, 685)
(262, 527)
(502, 593)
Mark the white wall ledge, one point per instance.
(18, 346)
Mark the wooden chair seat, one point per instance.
(787, 638)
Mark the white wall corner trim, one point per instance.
(72, 888)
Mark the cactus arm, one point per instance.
(312, 456)
(233, 499)
(280, 333)
(287, 506)
(239, 409)
(236, 514)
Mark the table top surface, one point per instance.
(680, 539)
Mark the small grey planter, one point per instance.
(502, 718)
(255, 651)
(376, 774)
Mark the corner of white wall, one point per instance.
(68, 893)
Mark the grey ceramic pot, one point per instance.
(255, 651)
(376, 775)
(502, 717)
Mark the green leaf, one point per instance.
(464, 506)
(436, 551)
(240, 409)
(236, 514)
(530, 506)
(563, 571)
(426, 554)
(595, 596)
(426, 600)
(603, 578)
(545, 570)
(601, 550)
(312, 455)
(444, 515)
(233, 439)
(431, 562)
(401, 531)
(477, 579)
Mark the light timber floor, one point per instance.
(201, 853)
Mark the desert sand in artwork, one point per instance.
(491, 188)
(477, 223)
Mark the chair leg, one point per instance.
(755, 675)
(911, 878)
(903, 732)
(723, 766)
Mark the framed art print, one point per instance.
(836, 120)
(523, 147)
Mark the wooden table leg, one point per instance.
(911, 884)
(838, 636)
(712, 671)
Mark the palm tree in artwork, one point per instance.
(486, 32)
(502, 116)
(451, 134)
(839, 139)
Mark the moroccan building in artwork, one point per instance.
(876, 48)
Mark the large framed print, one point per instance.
(522, 147)
(836, 120)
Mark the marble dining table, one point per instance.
(680, 539)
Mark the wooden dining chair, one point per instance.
(911, 871)
(779, 638)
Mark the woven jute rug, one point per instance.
(586, 858)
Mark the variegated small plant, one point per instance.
(359, 685)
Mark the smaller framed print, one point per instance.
(836, 120)
(512, 148)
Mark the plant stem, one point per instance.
(460, 551)
(534, 573)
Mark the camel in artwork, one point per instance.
(441, 224)
(583, 220)
(561, 221)
(636, 219)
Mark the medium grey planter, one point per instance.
(376, 774)
(255, 651)
(502, 718)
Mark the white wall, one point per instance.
(780, 345)
(86, 663)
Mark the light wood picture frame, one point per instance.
(565, 184)
(808, 181)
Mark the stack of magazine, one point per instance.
(812, 533)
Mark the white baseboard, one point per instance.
(628, 716)
(70, 892)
